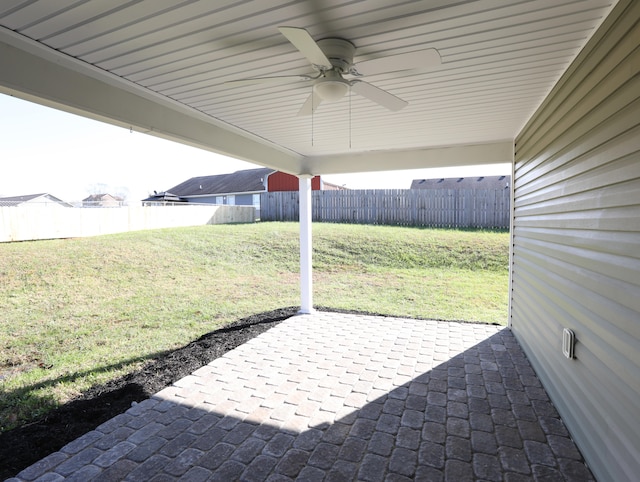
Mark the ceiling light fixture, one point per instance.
(332, 87)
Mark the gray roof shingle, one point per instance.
(22, 199)
(250, 180)
(16, 200)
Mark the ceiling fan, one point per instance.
(332, 59)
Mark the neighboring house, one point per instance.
(483, 182)
(42, 199)
(162, 198)
(240, 188)
(102, 201)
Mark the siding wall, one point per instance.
(576, 245)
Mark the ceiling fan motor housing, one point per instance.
(340, 53)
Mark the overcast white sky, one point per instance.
(70, 157)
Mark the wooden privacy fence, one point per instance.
(443, 208)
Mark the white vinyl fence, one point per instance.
(48, 221)
(446, 208)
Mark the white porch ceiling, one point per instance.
(160, 66)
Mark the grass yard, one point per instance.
(79, 312)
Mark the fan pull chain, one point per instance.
(349, 118)
(312, 113)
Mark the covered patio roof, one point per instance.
(163, 68)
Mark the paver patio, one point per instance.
(337, 397)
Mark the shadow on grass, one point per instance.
(24, 445)
(25, 394)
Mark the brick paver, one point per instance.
(332, 396)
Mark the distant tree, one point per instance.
(97, 188)
(122, 192)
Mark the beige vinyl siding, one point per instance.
(576, 245)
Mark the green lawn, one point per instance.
(79, 312)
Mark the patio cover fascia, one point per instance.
(37, 73)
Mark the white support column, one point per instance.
(306, 271)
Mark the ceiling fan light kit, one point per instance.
(332, 87)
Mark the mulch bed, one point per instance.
(23, 446)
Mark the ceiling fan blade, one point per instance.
(420, 59)
(303, 41)
(377, 95)
(282, 79)
(310, 105)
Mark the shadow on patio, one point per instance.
(332, 396)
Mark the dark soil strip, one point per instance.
(23, 446)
